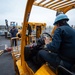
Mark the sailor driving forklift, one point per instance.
(62, 46)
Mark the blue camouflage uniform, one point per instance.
(13, 32)
(62, 46)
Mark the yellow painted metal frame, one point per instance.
(21, 64)
(25, 23)
(44, 70)
(35, 24)
(57, 5)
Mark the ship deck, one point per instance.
(6, 60)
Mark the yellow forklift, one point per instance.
(34, 30)
(23, 68)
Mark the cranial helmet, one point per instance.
(60, 17)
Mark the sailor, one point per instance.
(62, 47)
(13, 32)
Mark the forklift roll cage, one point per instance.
(61, 6)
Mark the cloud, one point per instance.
(13, 10)
(39, 14)
(71, 16)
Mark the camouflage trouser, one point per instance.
(53, 59)
(14, 42)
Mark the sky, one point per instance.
(13, 10)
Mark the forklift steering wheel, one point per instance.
(40, 41)
(45, 34)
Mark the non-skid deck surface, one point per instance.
(32, 65)
(6, 64)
